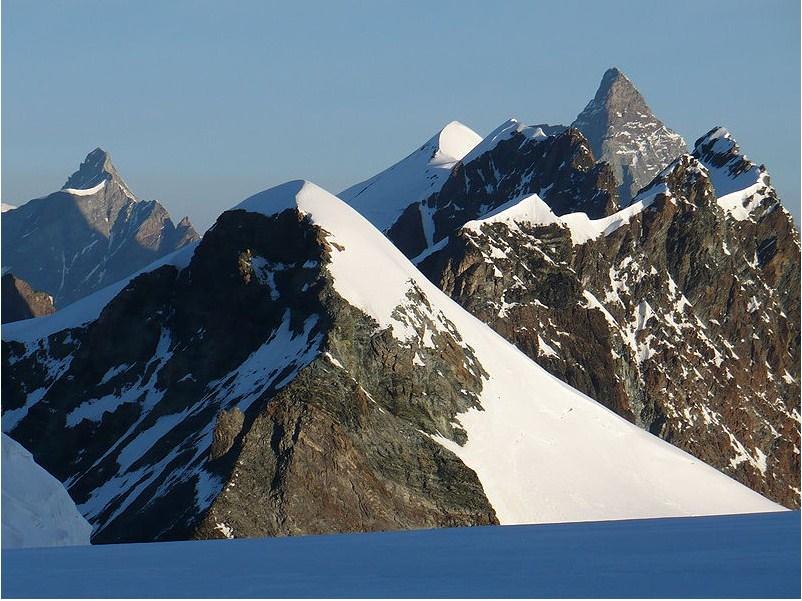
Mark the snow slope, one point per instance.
(413, 178)
(533, 210)
(36, 510)
(543, 451)
(740, 185)
(752, 556)
(7, 207)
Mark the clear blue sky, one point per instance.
(203, 103)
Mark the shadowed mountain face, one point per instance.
(20, 301)
(89, 234)
(623, 131)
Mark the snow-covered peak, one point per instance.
(37, 511)
(536, 440)
(730, 169)
(454, 141)
(95, 170)
(383, 197)
(7, 207)
(367, 269)
(542, 451)
(740, 184)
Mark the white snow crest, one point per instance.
(532, 210)
(383, 197)
(87, 191)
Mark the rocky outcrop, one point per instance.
(672, 313)
(242, 396)
(91, 233)
(623, 131)
(20, 301)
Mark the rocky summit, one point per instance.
(257, 383)
(623, 132)
(91, 233)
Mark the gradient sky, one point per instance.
(202, 103)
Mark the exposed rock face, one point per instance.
(242, 396)
(623, 131)
(512, 162)
(89, 234)
(20, 301)
(676, 315)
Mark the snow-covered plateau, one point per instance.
(726, 556)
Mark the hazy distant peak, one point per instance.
(95, 169)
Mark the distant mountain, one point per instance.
(20, 301)
(294, 373)
(89, 234)
(623, 131)
(383, 197)
(37, 511)
(7, 207)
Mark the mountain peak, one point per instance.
(384, 197)
(612, 79)
(95, 169)
(740, 184)
(456, 140)
(623, 131)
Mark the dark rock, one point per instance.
(226, 429)
(20, 301)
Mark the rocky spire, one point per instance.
(623, 131)
(96, 168)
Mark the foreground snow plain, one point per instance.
(755, 555)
